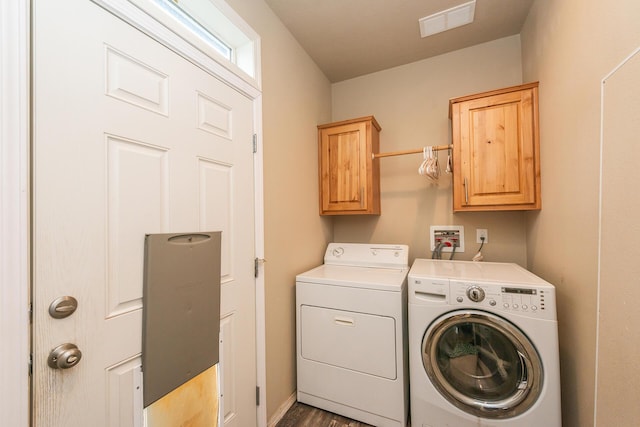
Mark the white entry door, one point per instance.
(129, 138)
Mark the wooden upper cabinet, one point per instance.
(496, 150)
(349, 176)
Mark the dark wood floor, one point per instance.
(301, 415)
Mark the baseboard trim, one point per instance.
(277, 416)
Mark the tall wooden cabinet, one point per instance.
(496, 150)
(349, 176)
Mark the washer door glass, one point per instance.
(482, 364)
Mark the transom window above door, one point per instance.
(213, 28)
(198, 16)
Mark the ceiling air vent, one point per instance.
(447, 19)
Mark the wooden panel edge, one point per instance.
(371, 119)
(532, 85)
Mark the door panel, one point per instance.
(129, 139)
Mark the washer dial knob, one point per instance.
(475, 293)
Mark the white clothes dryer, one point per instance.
(351, 327)
(483, 346)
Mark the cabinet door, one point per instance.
(496, 148)
(346, 169)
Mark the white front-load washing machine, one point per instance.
(483, 346)
(351, 327)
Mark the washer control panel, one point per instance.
(499, 297)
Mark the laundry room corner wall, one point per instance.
(411, 103)
(296, 98)
(619, 270)
(570, 46)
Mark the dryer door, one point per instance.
(482, 364)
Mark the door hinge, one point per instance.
(255, 143)
(30, 312)
(257, 395)
(256, 265)
(30, 364)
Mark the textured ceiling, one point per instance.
(350, 38)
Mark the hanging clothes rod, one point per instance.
(415, 151)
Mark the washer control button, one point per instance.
(492, 303)
(459, 299)
(475, 293)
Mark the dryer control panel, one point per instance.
(524, 299)
(367, 255)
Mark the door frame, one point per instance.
(15, 215)
(14, 211)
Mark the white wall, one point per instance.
(570, 46)
(411, 103)
(619, 268)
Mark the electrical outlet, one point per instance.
(480, 233)
(447, 235)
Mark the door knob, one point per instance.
(64, 356)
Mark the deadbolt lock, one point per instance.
(63, 307)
